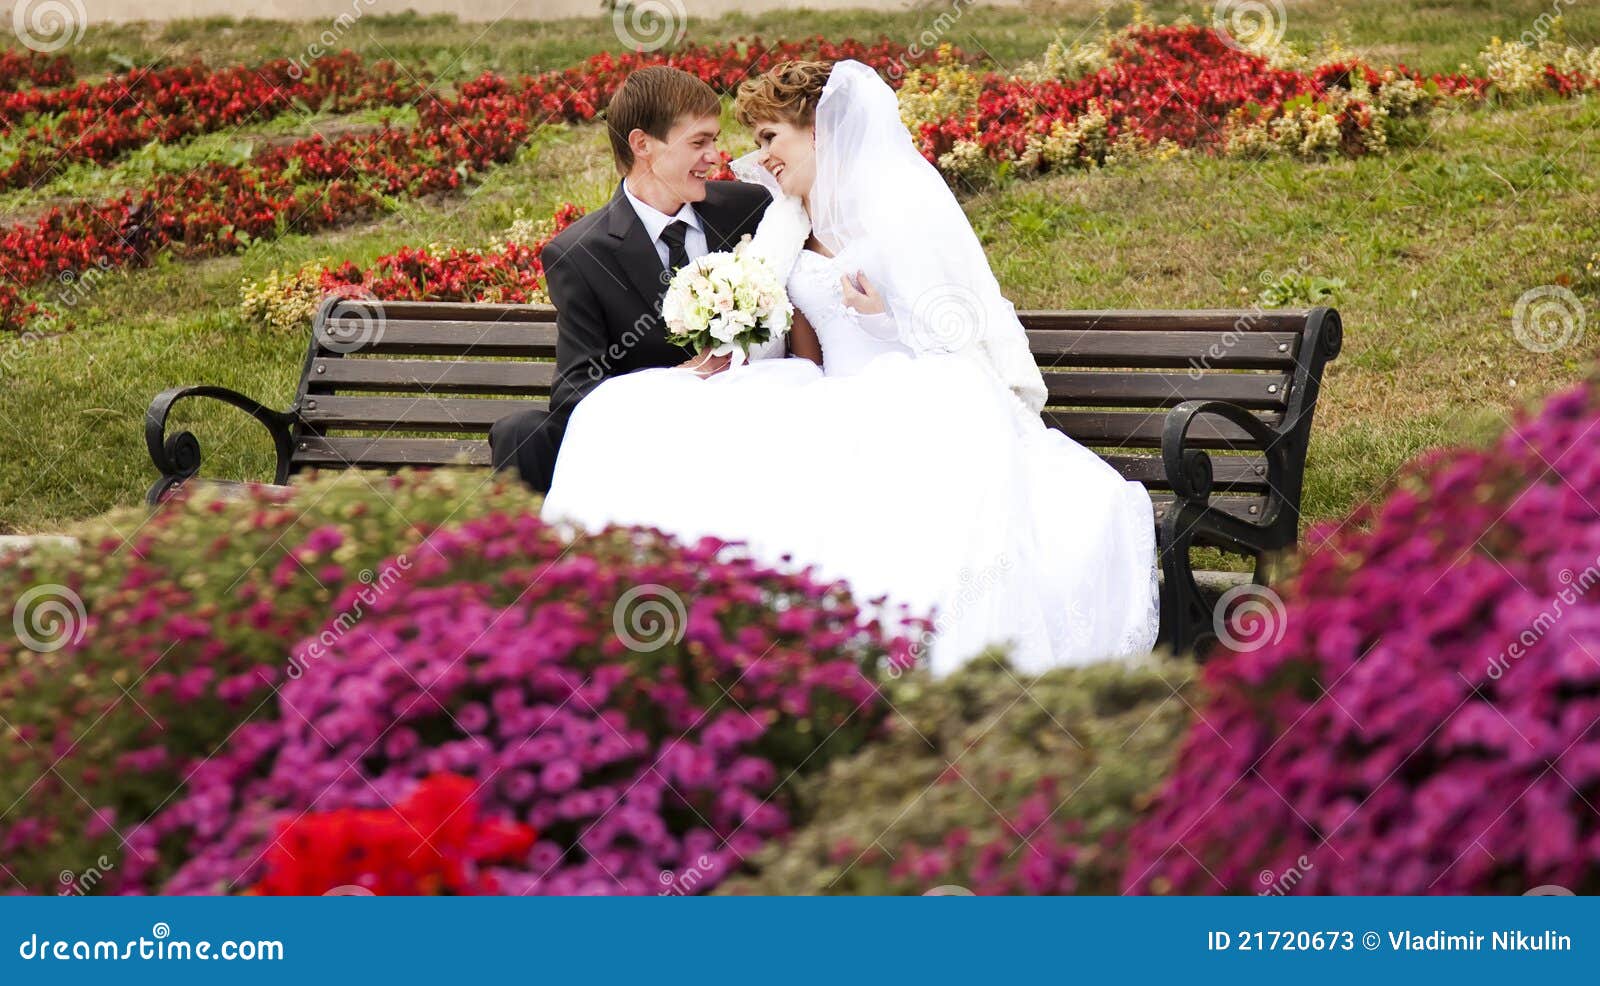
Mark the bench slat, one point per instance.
(1250, 390)
(1088, 388)
(1243, 507)
(389, 453)
(1114, 429)
(1117, 341)
(438, 338)
(1139, 320)
(1163, 350)
(1137, 429)
(462, 376)
(1196, 320)
(460, 311)
(1230, 473)
(470, 414)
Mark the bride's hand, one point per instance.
(861, 296)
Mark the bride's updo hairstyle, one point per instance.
(788, 92)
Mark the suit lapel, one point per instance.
(636, 255)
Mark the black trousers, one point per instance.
(527, 442)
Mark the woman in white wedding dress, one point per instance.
(913, 463)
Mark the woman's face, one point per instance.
(790, 153)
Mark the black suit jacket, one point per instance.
(606, 281)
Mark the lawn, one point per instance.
(1434, 242)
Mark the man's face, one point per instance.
(675, 169)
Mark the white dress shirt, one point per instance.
(694, 243)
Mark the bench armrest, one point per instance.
(177, 457)
(1190, 470)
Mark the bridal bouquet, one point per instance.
(726, 303)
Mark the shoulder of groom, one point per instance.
(742, 192)
(582, 227)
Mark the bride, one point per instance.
(902, 449)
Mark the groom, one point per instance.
(607, 272)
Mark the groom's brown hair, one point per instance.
(653, 99)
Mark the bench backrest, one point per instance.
(419, 383)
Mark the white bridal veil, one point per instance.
(880, 207)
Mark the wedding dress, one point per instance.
(913, 464)
(907, 476)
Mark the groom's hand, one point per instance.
(705, 364)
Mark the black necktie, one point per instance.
(673, 236)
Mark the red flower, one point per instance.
(433, 842)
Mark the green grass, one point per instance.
(1430, 35)
(1434, 242)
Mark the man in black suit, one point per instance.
(608, 271)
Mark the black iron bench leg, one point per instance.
(1185, 618)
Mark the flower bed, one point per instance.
(1424, 720)
(142, 657)
(988, 781)
(1176, 87)
(492, 648)
(635, 701)
(1182, 86)
(98, 123)
(33, 68)
(316, 183)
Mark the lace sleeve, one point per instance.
(880, 326)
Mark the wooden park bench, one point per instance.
(1211, 410)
